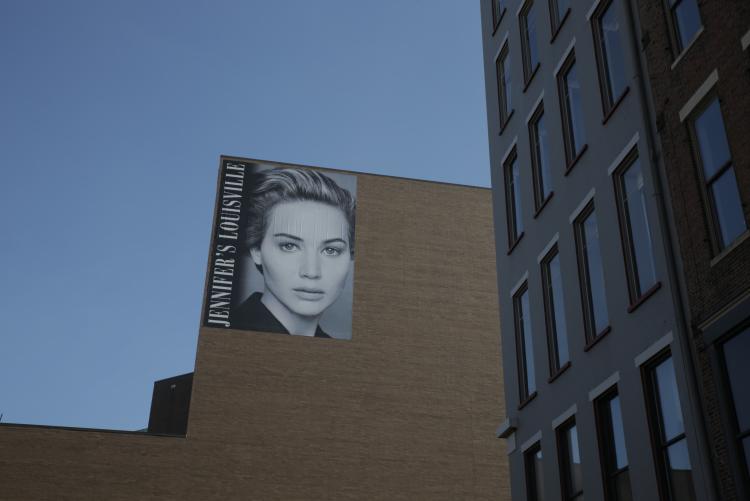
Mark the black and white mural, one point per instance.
(282, 254)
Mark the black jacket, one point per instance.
(253, 315)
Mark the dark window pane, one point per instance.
(528, 342)
(618, 434)
(746, 447)
(595, 274)
(533, 52)
(680, 472)
(516, 182)
(543, 156)
(613, 53)
(538, 476)
(558, 310)
(712, 139)
(736, 356)
(508, 85)
(640, 232)
(497, 11)
(574, 459)
(669, 400)
(575, 110)
(688, 20)
(726, 200)
(621, 486)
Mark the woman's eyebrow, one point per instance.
(332, 240)
(287, 235)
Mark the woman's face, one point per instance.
(305, 256)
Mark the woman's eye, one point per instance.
(331, 251)
(288, 247)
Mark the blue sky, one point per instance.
(112, 119)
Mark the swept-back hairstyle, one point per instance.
(294, 185)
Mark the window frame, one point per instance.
(557, 18)
(636, 293)
(529, 69)
(555, 367)
(512, 193)
(674, 27)
(540, 200)
(504, 105)
(529, 466)
(655, 419)
(587, 301)
(610, 102)
(522, 365)
(709, 206)
(605, 438)
(572, 154)
(497, 18)
(563, 448)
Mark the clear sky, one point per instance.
(113, 115)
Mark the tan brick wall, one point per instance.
(405, 410)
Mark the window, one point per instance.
(513, 199)
(554, 311)
(532, 459)
(612, 450)
(558, 10)
(528, 41)
(571, 107)
(668, 431)
(524, 344)
(609, 54)
(571, 474)
(504, 86)
(540, 158)
(685, 20)
(736, 354)
(725, 207)
(498, 10)
(591, 274)
(636, 232)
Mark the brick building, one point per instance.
(405, 409)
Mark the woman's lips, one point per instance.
(309, 294)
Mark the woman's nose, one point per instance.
(310, 266)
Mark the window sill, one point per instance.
(598, 338)
(497, 23)
(531, 77)
(543, 204)
(514, 244)
(505, 123)
(681, 55)
(559, 26)
(650, 292)
(564, 367)
(576, 159)
(616, 105)
(526, 401)
(728, 249)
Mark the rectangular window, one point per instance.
(504, 86)
(591, 274)
(540, 167)
(524, 344)
(612, 450)
(498, 10)
(558, 13)
(635, 229)
(609, 54)
(571, 106)
(554, 311)
(571, 473)
(513, 199)
(528, 40)
(720, 184)
(532, 459)
(685, 19)
(668, 431)
(736, 354)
